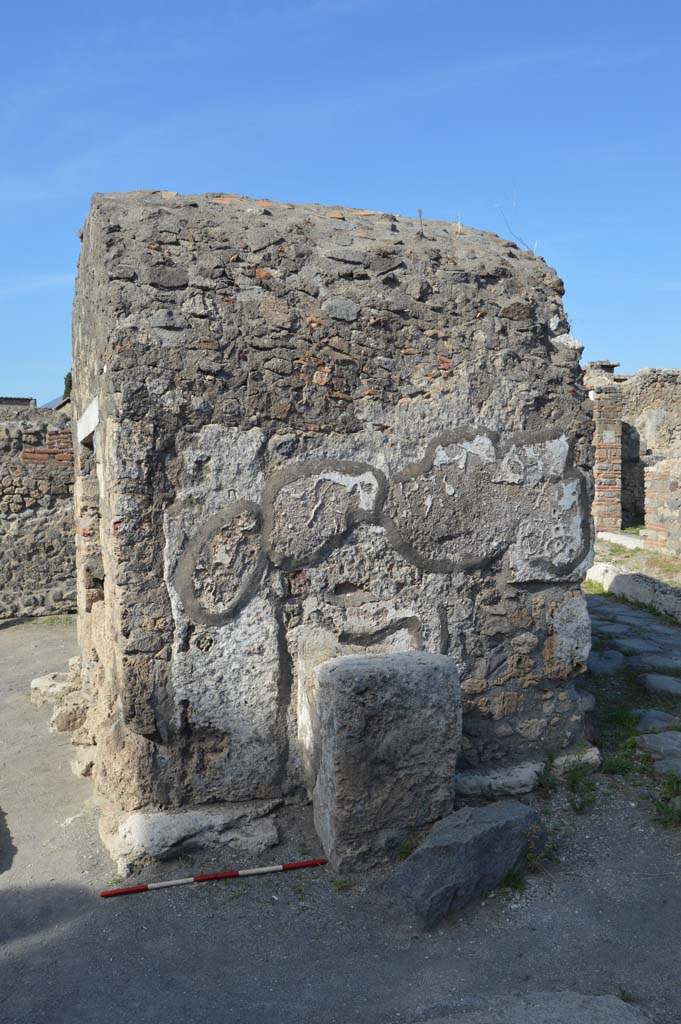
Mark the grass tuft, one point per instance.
(407, 847)
(581, 788)
(668, 804)
(592, 587)
(625, 995)
(514, 881)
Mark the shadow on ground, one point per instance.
(7, 847)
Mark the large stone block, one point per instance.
(382, 739)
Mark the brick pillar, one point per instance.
(607, 506)
(663, 506)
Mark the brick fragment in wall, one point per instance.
(318, 435)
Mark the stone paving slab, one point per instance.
(548, 1008)
(662, 745)
(652, 720)
(667, 686)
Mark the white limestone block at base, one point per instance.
(133, 839)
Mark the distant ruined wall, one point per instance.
(309, 432)
(641, 416)
(37, 563)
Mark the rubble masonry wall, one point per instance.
(316, 432)
(37, 568)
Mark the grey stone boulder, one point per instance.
(660, 745)
(544, 1008)
(385, 732)
(668, 766)
(668, 686)
(652, 720)
(465, 856)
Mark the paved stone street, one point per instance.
(292, 948)
(631, 644)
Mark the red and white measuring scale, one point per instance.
(148, 886)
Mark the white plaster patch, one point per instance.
(533, 463)
(88, 422)
(365, 483)
(552, 537)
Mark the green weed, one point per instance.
(581, 788)
(514, 881)
(407, 847)
(625, 995)
(668, 804)
(592, 587)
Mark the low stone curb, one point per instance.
(637, 588)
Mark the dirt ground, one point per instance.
(603, 918)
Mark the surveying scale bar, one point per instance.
(148, 886)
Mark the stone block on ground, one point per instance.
(544, 1008)
(667, 686)
(51, 687)
(465, 856)
(134, 839)
(387, 739)
(589, 756)
(660, 745)
(495, 782)
(638, 589)
(652, 720)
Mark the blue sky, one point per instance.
(559, 121)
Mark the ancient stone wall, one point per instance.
(37, 567)
(315, 432)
